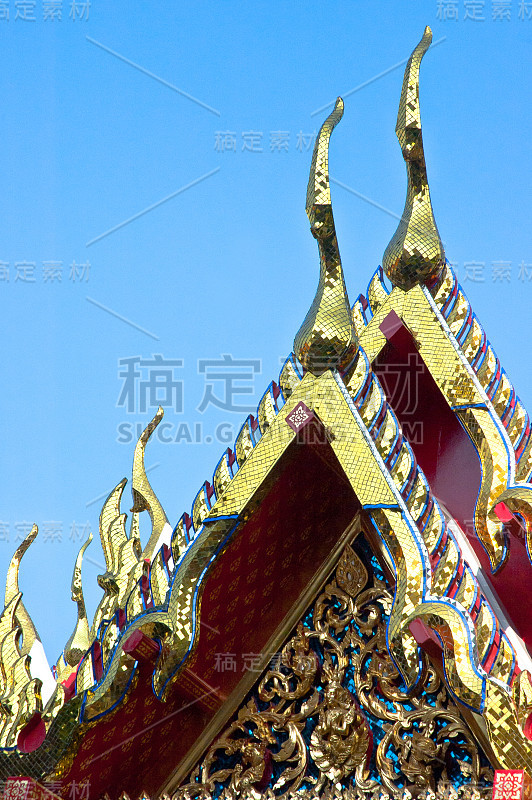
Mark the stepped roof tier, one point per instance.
(365, 557)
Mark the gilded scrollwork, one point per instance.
(340, 742)
(332, 713)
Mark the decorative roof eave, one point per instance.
(472, 340)
(383, 497)
(458, 367)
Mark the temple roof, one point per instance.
(392, 415)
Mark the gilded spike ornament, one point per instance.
(415, 253)
(12, 591)
(144, 498)
(80, 641)
(327, 337)
(20, 691)
(12, 573)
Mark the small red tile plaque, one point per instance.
(300, 416)
(511, 784)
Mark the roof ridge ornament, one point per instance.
(415, 253)
(12, 588)
(23, 618)
(79, 641)
(144, 498)
(327, 337)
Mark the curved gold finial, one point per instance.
(144, 498)
(76, 585)
(109, 514)
(23, 619)
(79, 642)
(415, 253)
(12, 573)
(121, 556)
(327, 338)
(21, 687)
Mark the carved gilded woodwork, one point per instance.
(332, 712)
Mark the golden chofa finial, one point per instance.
(327, 338)
(415, 253)
(12, 590)
(144, 498)
(12, 573)
(79, 642)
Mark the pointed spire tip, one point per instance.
(415, 253)
(327, 336)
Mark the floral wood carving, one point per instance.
(332, 713)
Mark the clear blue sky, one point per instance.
(227, 266)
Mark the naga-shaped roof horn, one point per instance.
(327, 338)
(29, 632)
(79, 642)
(415, 253)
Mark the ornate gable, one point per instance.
(335, 613)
